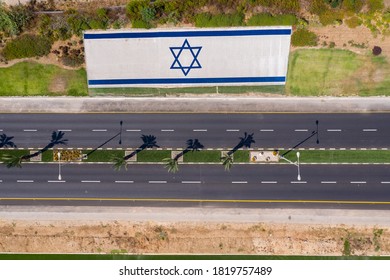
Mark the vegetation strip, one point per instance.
(240, 156)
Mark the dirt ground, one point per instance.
(192, 238)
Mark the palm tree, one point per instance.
(16, 161)
(149, 141)
(5, 141)
(172, 164)
(245, 141)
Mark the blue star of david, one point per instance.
(177, 51)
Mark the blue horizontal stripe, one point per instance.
(195, 33)
(230, 80)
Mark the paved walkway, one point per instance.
(194, 105)
(285, 216)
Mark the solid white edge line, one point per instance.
(157, 182)
(88, 181)
(191, 182)
(124, 182)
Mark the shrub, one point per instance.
(220, 20)
(139, 23)
(285, 6)
(21, 15)
(27, 45)
(7, 25)
(303, 37)
(353, 5)
(334, 3)
(376, 50)
(318, 7)
(353, 22)
(331, 17)
(332, 45)
(375, 5)
(269, 20)
(135, 7)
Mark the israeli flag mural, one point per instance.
(195, 57)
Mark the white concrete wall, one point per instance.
(222, 60)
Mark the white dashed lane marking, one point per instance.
(385, 182)
(266, 130)
(30, 130)
(157, 182)
(124, 182)
(239, 182)
(191, 182)
(301, 130)
(232, 130)
(167, 130)
(55, 181)
(269, 182)
(89, 181)
(199, 130)
(358, 182)
(25, 181)
(64, 130)
(334, 130)
(328, 182)
(99, 130)
(133, 130)
(298, 182)
(370, 130)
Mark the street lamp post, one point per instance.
(294, 163)
(299, 173)
(59, 165)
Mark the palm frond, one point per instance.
(227, 161)
(12, 160)
(171, 164)
(119, 162)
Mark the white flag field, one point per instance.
(191, 57)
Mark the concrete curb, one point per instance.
(194, 105)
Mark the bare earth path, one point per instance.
(195, 231)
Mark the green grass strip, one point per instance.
(152, 156)
(14, 152)
(47, 156)
(103, 155)
(31, 78)
(203, 156)
(338, 156)
(241, 156)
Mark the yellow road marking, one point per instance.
(193, 200)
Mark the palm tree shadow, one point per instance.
(149, 141)
(172, 164)
(5, 141)
(245, 141)
(16, 161)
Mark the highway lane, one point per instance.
(200, 183)
(213, 130)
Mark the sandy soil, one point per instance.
(191, 238)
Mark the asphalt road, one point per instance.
(213, 130)
(261, 185)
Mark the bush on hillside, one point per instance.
(331, 17)
(27, 45)
(303, 37)
(221, 20)
(353, 5)
(284, 6)
(269, 20)
(353, 22)
(375, 5)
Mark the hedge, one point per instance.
(27, 45)
(220, 20)
(269, 20)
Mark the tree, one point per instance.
(172, 165)
(245, 141)
(5, 141)
(16, 161)
(149, 141)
